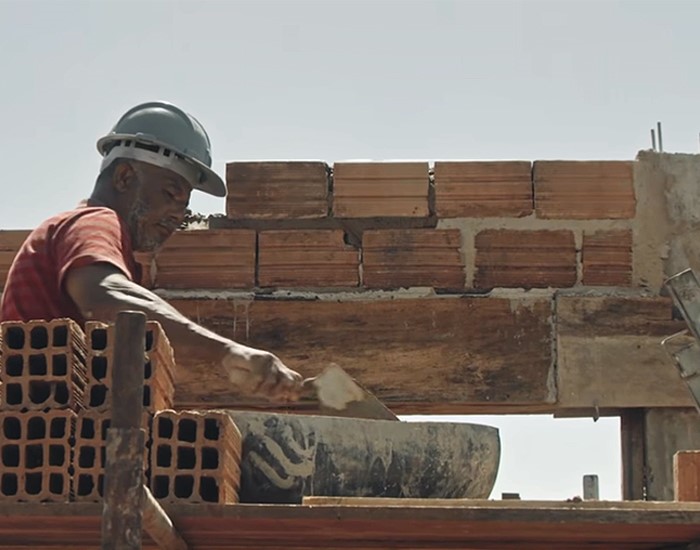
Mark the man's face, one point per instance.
(158, 207)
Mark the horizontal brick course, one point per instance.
(42, 365)
(35, 456)
(277, 190)
(159, 369)
(580, 190)
(607, 258)
(380, 189)
(510, 258)
(195, 457)
(483, 189)
(396, 258)
(207, 259)
(306, 259)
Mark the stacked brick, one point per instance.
(55, 384)
(195, 457)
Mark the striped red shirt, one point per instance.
(86, 235)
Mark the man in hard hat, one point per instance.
(80, 264)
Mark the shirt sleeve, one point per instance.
(93, 236)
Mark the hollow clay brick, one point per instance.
(195, 457)
(607, 258)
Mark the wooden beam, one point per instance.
(449, 355)
(123, 495)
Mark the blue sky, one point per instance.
(339, 80)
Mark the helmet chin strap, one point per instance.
(171, 162)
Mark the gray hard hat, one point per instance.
(162, 134)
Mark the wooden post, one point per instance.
(633, 454)
(123, 493)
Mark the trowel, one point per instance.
(339, 394)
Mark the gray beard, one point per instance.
(141, 241)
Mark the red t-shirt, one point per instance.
(86, 235)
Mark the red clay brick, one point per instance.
(380, 189)
(195, 457)
(511, 258)
(223, 258)
(483, 189)
(607, 258)
(393, 258)
(301, 258)
(89, 454)
(580, 190)
(42, 365)
(10, 242)
(159, 369)
(277, 190)
(35, 455)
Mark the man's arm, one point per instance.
(101, 290)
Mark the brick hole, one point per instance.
(59, 365)
(10, 456)
(211, 429)
(33, 483)
(161, 486)
(57, 428)
(187, 430)
(14, 365)
(186, 458)
(210, 458)
(103, 456)
(98, 366)
(164, 456)
(57, 455)
(36, 428)
(98, 339)
(33, 456)
(39, 391)
(11, 428)
(149, 340)
(184, 486)
(14, 337)
(104, 426)
(39, 338)
(98, 395)
(56, 484)
(86, 457)
(100, 484)
(60, 336)
(87, 429)
(8, 484)
(146, 395)
(147, 370)
(86, 485)
(61, 394)
(37, 365)
(165, 428)
(14, 394)
(209, 489)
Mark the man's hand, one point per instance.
(261, 373)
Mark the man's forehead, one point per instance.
(165, 176)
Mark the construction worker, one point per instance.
(80, 264)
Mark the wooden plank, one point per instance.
(609, 353)
(632, 440)
(394, 258)
(372, 189)
(277, 190)
(308, 259)
(577, 190)
(483, 525)
(527, 259)
(448, 354)
(483, 189)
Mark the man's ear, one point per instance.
(123, 177)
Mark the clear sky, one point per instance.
(339, 80)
